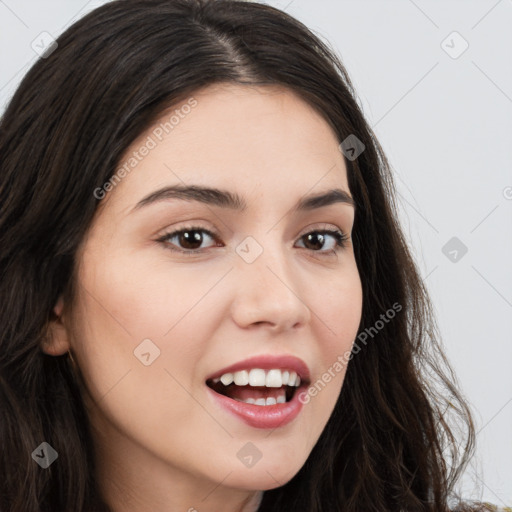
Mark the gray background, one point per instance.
(444, 119)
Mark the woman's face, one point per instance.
(151, 324)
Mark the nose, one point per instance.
(268, 292)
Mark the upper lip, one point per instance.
(268, 362)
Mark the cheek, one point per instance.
(146, 296)
(147, 402)
(337, 309)
(124, 302)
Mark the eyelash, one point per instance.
(340, 237)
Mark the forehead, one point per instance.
(250, 138)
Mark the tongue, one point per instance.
(244, 392)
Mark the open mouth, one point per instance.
(256, 395)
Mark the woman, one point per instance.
(208, 301)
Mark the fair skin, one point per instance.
(161, 443)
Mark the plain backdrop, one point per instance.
(434, 79)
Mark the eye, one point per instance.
(190, 239)
(321, 237)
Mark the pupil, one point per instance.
(316, 236)
(187, 239)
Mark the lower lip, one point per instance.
(262, 416)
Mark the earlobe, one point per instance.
(58, 309)
(56, 341)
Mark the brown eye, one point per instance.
(316, 240)
(188, 240)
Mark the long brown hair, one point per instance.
(390, 443)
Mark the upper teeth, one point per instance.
(259, 377)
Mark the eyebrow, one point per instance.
(227, 199)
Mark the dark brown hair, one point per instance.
(389, 444)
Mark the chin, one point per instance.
(263, 477)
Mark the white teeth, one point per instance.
(241, 378)
(281, 399)
(259, 378)
(269, 401)
(227, 379)
(274, 379)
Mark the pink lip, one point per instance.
(262, 416)
(268, 362)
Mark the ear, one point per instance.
(56, 342)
